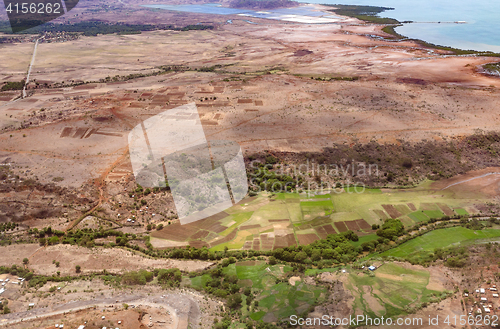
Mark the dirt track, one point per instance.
(183, 306)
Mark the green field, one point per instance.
(276, 300)
(365, 238)
(390, 291)
(440, 239)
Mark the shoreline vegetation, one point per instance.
(370, 14)
(492, 69)
(94, 28)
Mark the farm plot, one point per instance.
(393, 288)
(276, 301)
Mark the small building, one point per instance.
(495, 295)
(31, 304)
(484, 299)
(487, 310)
(466, 294)
(81, 326)
(493, 289)
(103, 317)
(372, 268)
(481, 290)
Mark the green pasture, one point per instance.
(440, 239)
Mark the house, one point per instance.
(495, 295)
(482, 290)
(487, 310)
(372, 268)
(484, 299)
(81, 327)
(466, 294)
(31, 304)
(493, 289)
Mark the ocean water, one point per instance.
(480, 33)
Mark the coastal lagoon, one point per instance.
(307, 14)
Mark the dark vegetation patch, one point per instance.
(493, 68)
(364, 13)
(93, 28)
(402, 164)
(14, 85)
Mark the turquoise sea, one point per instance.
(481, 32)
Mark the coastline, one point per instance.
(390, 25)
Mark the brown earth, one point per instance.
(90, 260)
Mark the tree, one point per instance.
(25, 260)
(78, 268)
(300, 257)
(316, 255)
(247, 291)
(234, 301)
(272, 260)
(53, 240)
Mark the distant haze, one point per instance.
(480, 32)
